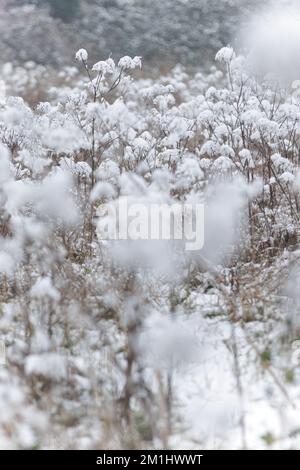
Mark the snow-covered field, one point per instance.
(144, 344)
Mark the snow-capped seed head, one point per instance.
(127, 63)
(82, 55)
(287, 178)
(225, 55)
(100, 67)
(296, 85)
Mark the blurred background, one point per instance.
(166, 32)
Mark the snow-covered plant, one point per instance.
(127, 343)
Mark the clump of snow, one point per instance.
(128, 63)
(44, 288)
(82, 55)
(49, 365)
(104, 66)
(225, 55)
(102, 190)
(90, 324)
